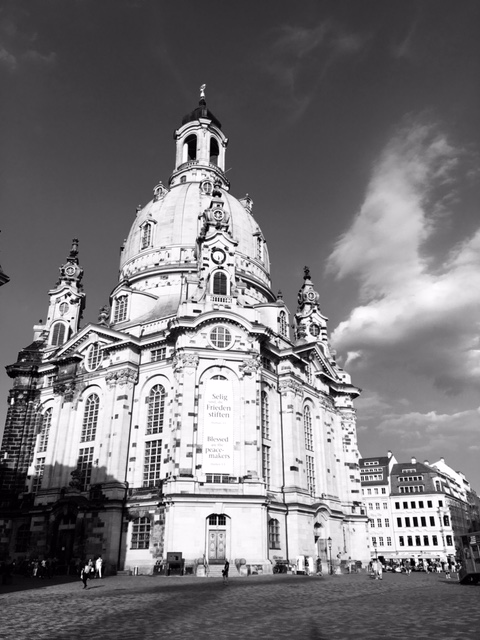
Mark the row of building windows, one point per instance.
(413, 489)
(375, 491)
(380, 541)
(379, 522)
(410, 479)
(423, 521)
(421, 504)
(377, 505)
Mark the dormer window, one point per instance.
(120, 309)
(58, 334)
(146, 235)
(220, 284)
(190, 148)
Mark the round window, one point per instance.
(220, 337)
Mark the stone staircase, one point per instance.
(215, 570)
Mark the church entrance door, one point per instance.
(216, 546)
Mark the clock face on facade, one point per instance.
(218, 215)
(70, 270)
(218, 256)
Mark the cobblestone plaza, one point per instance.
(417, 607)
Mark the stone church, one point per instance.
(198, 417)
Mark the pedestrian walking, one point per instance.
(86, 573)
(225, 571)
(99, 567)
(379, 570)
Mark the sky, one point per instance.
(352, 124)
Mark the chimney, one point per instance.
(389, 454)
(426, 462)
(414, 461)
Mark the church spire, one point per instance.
(310, 324)
(67, 302)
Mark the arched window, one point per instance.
(220, 284)
(191, 148)
(94, 357)
(265, 416)
(90, 418)
(214, 151)
(156, 409)
(44, 430)
(146, 235)
(58, 334)
(273, 534)
(282, 324)
(140, 533)
(120, 309)
(217, 520)
(307, 426)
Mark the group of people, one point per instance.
(91, 569)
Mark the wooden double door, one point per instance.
(217, 545)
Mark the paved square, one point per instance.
(416, 607)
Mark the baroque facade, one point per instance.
(190, 419)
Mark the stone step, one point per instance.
(215, 570)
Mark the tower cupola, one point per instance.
(200, 149)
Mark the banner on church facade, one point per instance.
(218, 427)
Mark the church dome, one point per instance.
(167, 240)
(166, 231)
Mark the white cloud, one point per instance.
(7, 59)
(16, 48)
(299, 57)
(413, 313)
(39, 58)
(429, 432)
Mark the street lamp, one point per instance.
(329, 540)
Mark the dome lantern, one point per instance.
(200, 147)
